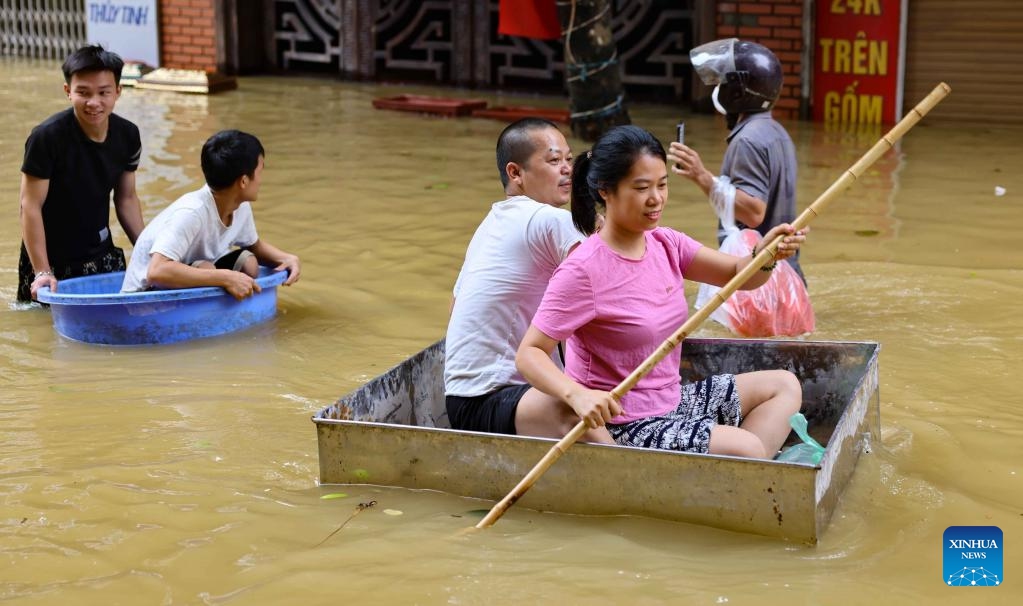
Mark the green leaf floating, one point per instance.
(867, 232)
(334, 495)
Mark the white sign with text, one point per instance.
(129, 28)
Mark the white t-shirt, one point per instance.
(187, 231)
(507, 266)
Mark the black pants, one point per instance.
(493, 412)
(106, 258)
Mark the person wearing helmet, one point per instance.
(757, 185)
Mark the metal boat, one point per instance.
(394, 431)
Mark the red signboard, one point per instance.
(857, 74)
(529, 18)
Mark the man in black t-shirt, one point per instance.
(73, 160)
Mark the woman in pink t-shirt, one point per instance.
(620, 294)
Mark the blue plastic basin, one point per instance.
(93, 310)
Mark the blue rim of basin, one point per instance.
(268, 279)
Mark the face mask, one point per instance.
(717, 104)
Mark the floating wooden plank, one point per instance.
(442, 106)
(186, 81)
(511, 113)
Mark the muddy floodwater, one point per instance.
(187, 474)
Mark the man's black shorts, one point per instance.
(493, 412)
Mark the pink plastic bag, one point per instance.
(780, 307)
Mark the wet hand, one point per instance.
(41, 280)
(239, 285)
(594, 407)
(294, 267)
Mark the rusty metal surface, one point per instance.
(393, 431)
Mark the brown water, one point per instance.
(188, 473)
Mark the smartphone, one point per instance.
(680, 136)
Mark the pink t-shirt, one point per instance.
(615, 312)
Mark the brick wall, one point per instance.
(187, 34)
(778, 25)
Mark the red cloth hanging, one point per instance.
(529, 19)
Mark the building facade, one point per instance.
(975, 46)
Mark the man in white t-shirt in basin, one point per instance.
(510, 259)
(208, 237)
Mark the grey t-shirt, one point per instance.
(761, 161)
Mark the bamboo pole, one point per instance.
(886, 143)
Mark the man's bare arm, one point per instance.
(127, 206)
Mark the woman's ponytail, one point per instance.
(584, 205)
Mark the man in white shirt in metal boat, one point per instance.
(508, 263)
